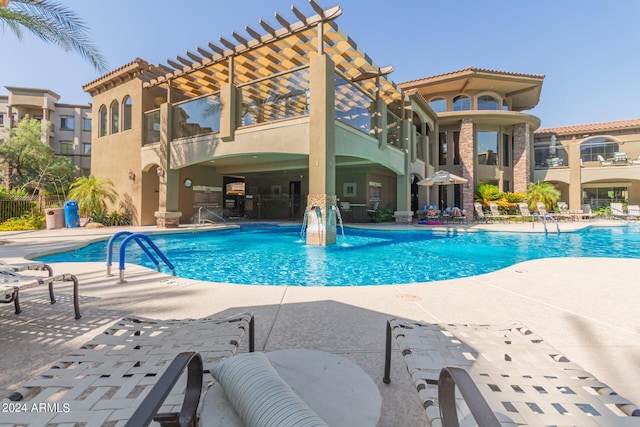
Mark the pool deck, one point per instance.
(585, 307)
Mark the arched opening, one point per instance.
(126, 113)
(102, 121)
(115, 114)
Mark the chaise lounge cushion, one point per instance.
(259, 395)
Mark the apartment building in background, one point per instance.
(70, 132)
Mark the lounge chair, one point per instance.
(604, 162)
(523, 207)
(506, 375)
(620, 158)
(12, 282)
(617, 210)
(495, 213)
(479, 213)
(633, 211)
(587, 212)
(105, 380)
(565, 213)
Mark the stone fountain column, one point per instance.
(321, 219)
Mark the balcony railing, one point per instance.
(353, 107)
(393, 129)
(197, 117)
(152, 127)
(551, 157)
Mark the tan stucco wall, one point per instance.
(114, 155)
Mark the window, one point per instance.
(102, 120)
(461, 103)
(505, 105)
(114, 117)
(456, 148)
(442, 148)
(1, 119)
(439, 105)
(488, 148)
(126, 113)
(591, 149)
(86, 149)
(506, 152)
(603, 195)
(487, 102)
(86, 172)
(66, 123)
(66, 148)
(86, 125)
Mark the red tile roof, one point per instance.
(591, 127)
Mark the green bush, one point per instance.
(111, 219)
(25, 222)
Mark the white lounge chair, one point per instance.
(633, 211)
(617, 210)
(12, 282)
(505, 375)
(604, 162)
(495, 213)
(479, 213)
(105, 381)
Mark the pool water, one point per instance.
(278, 255)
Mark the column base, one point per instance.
(403, 217)
(167, 219)
(321, 219)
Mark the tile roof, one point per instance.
(472, 70)
(591, 127)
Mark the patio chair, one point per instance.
(495, 213)
(13, 282)
(523, 207)
(104, 381)
(604, 162)
(633, 211)
(587, 212)
(617, 210)
(479, 213)
(505, 375)
(565, 213)
(372, 212)
(620, 158)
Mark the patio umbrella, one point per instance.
(442, 178)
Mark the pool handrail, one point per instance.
(138, 238)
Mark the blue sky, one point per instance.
(588, 51)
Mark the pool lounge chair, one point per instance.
(565, 213)
(479, 213)
(523, 207)
(106, 380)
(587, 212)
(496, 215)
(617, 211)
(12, 283)
(633, 212)
(505, 375)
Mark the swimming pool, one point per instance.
(278, 256)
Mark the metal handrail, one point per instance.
(215, 215)
(138, 238)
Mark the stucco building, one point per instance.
(267, 124)
(593, 164)
(70, 131)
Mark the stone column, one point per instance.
(321, 217)
(404, 215)
(521, 157)
(468, 163)
(575, 174)
(167, 215)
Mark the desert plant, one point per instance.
(33, 221)
(543, 192)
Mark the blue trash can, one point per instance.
(71, 217)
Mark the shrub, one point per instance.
(25, 222)
(111, 219)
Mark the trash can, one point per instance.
(54, 218)
(71, 216)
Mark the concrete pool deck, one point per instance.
(585, 307)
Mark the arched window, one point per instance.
(114, 117)
(598, 149)
(126, 113)
(487, 102)
(439, 105)
(461, 103)
(102, 121)
(505, 105)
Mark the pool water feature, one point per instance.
(271, 255)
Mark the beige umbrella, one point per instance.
(442, 178)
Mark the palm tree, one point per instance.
(543, 192)
(53, 23)
(91, 193)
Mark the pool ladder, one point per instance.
(140, 239)
(543, 221)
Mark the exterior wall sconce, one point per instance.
(160, 172)
(132, 175)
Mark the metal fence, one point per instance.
(17, 206)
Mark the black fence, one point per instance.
(17, 206)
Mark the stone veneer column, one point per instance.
(321, 222)
(575, 174)
(167, 215)
(468, 162)
(521, 156)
